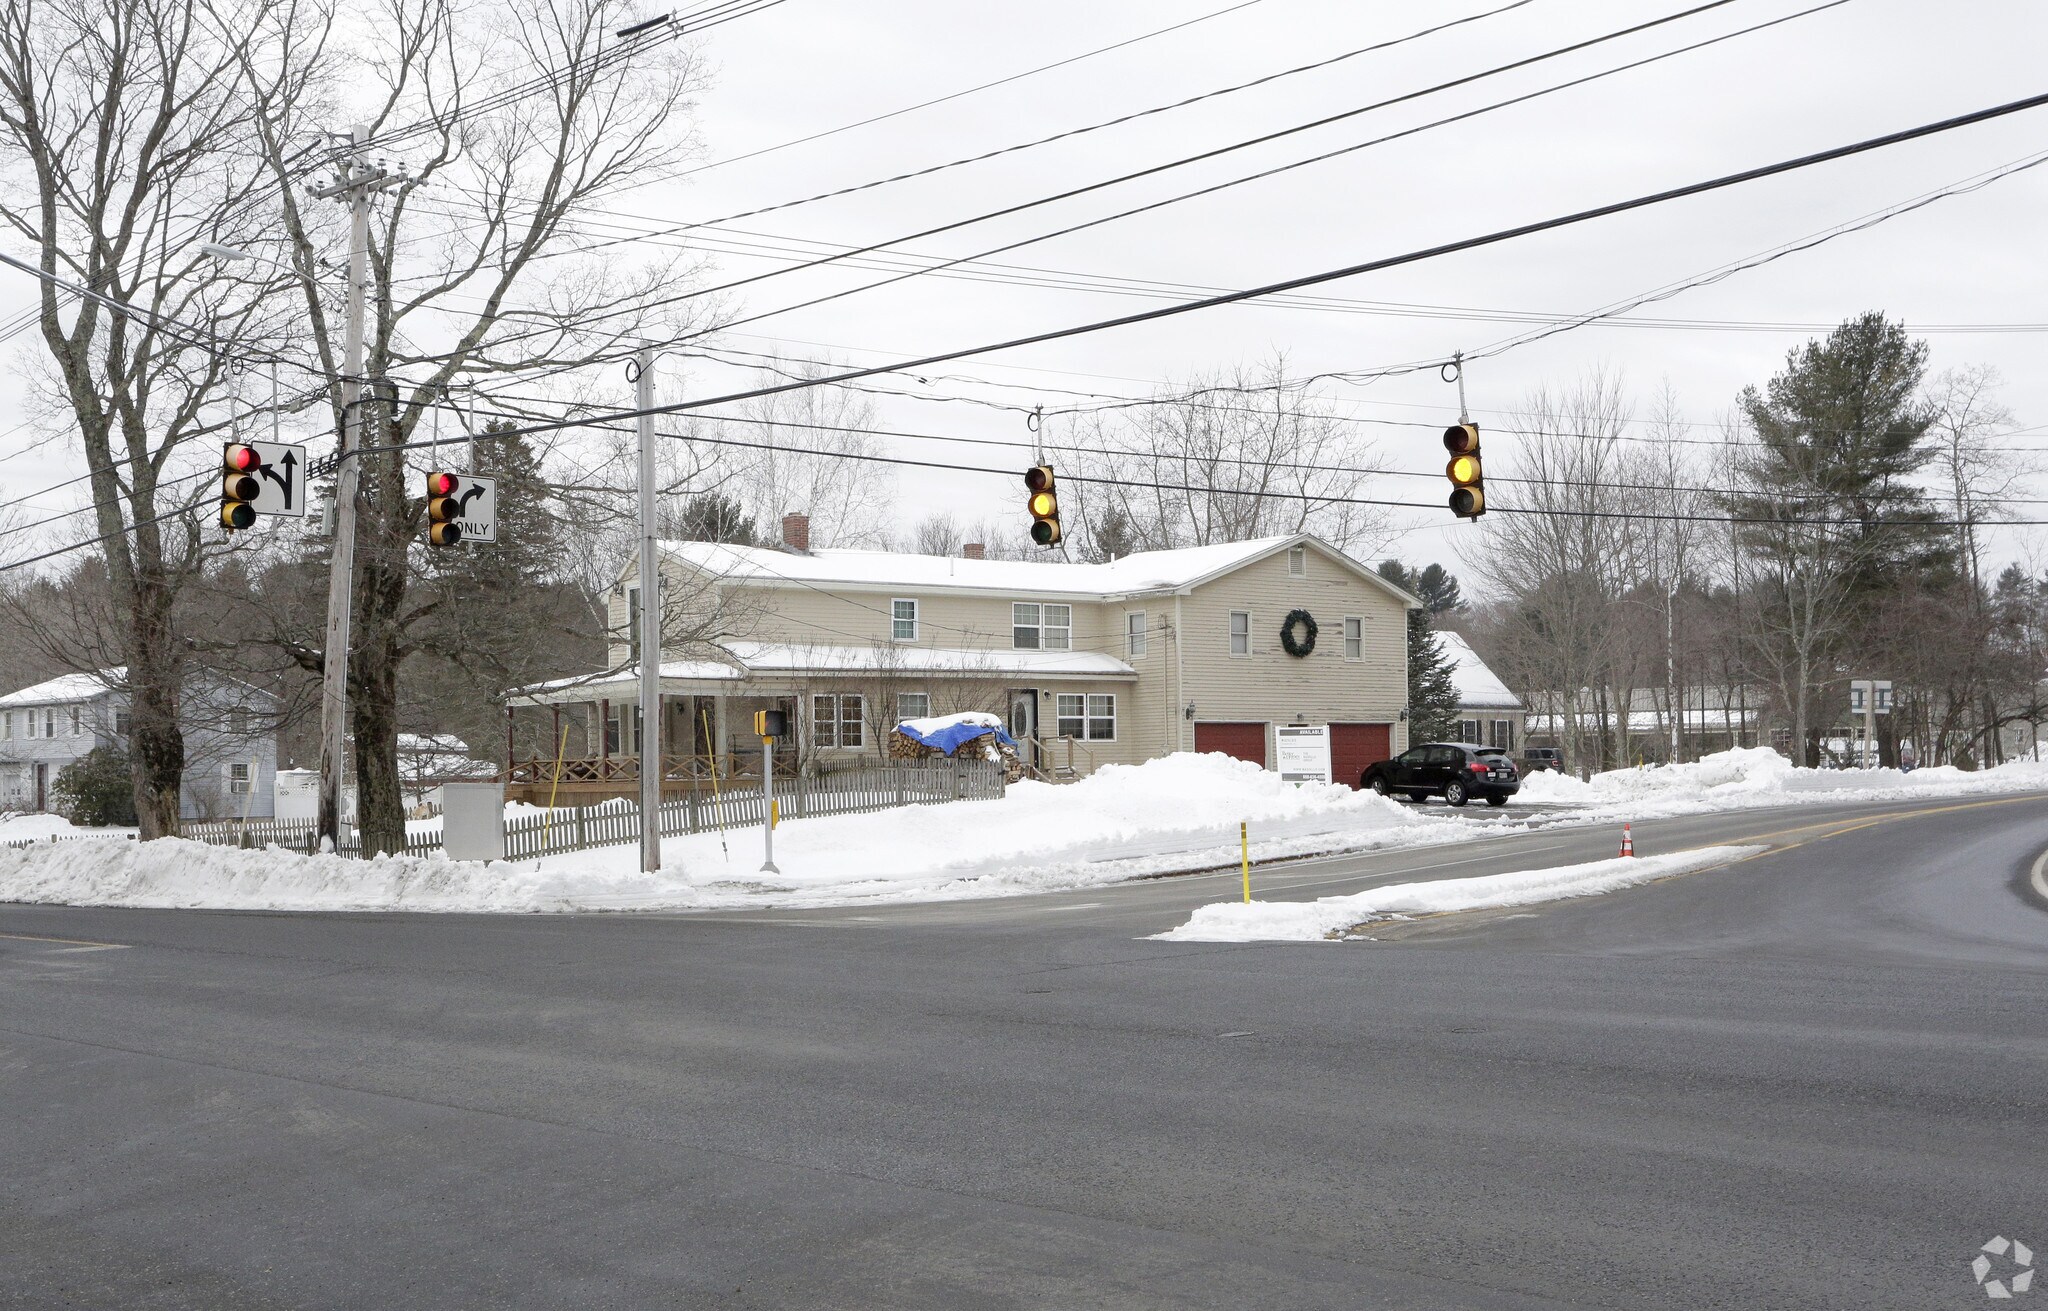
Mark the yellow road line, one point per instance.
(1841, 826)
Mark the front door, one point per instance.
(1023, 720)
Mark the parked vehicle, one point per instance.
(1535, 758)
(1455, 771)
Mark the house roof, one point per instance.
(1138, 573)
(766, 660)
(1479, 688)
(67, 687)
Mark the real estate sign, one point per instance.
(1303, 752)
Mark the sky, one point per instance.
(1853, 70)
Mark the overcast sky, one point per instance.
(1853, 71)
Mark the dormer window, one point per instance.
(1297, 562)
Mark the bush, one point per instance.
(96, 790)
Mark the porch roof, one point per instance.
(763, 667)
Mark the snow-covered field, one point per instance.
(1175, 814)
(14, 827)
(1313, 921)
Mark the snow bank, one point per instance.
(1313, 921)
(1181, 812)
(1759, 776)
(15, 827)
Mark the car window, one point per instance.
(1412, 756)
(1446, 756)
(1492, 753)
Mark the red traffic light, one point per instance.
(240, 458)
(442, 484)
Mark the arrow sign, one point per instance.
(478, 501)
(281, 492)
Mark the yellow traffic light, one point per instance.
(444, 509)
(1468, 486)
(239, 486)
(1043, 503)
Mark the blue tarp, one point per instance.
(949, 738)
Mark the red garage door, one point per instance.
(1354, 746)
(1245, 741)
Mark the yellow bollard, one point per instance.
(1244, 850)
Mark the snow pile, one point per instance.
(15, 826)
(967, 718)
(177, 873)
(1181, 812)
(1759, 776)
(1314, 921)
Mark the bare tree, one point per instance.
(124, 139)
(805, 452)
(1979, 470)
(475, 264)
(1225, 458)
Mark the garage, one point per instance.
(1354, 746)
(1245, 741)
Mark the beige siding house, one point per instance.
(1090, 664)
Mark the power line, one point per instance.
(1152, 170)
(1370, 266)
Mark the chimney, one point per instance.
(974, 551)
(796, 532)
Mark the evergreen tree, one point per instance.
(1432, 691)
(716, 517)
(1111, 538)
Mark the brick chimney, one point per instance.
(974, 551)
(796, 532)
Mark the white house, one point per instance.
(229, 727)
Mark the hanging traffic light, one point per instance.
(239, 486)
(444, 509)
(1044, 504)
(1468, 487)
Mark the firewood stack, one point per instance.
(902, 747)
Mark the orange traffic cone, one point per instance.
(1628, 843)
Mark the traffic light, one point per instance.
(771, 723)
(1044, 504)
(444, 509)
(1468, 487)
(239, 486)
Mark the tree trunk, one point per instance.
(156, 743)
(384, 530)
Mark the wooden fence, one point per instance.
(16, 844)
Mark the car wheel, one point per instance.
(1418, 797)
(1379, 786)
(1496, 800)
(1454, 794)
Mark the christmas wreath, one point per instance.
(1298, 646)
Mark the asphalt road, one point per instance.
(1811, 1079)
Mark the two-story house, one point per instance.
(1202, 649)
(230, 732)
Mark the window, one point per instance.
(77, 718)
(238, 778)
(1297, 562)
(1468, 731)
(913, 705)
(6, 724)
(1134, 632)
(50, 722)
(836, 721)
(1091, 717)
(633, 621)
(1856, 699)
(1240, 632)
(1504, 734)
(1354, 638)
(123, 722)
(903, 620)
(1035, 627)
(238, 722)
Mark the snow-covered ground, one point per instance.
(1171, 815)
(15, 827)
(1316, 921)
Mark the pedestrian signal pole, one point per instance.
(769, 725)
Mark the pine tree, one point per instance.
(1432, 690)
(716, 517)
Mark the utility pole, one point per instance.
(650, 624)
(356, 182)
(1671, 707)
(341, 570)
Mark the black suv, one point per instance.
(1455, 771)
(1536, 758)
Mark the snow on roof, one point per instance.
(67, 687)
(1478, 687)
(1145, 571)
(753, 659)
